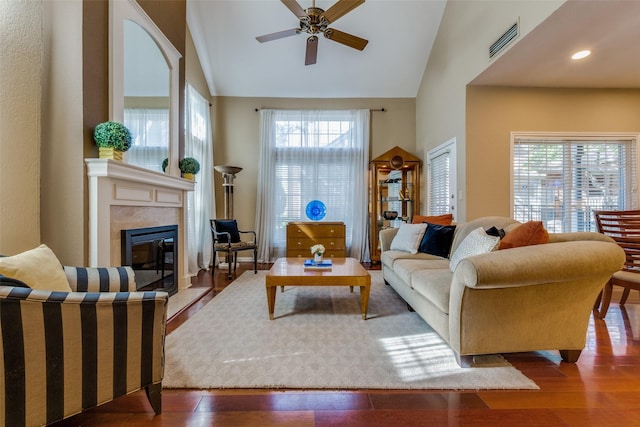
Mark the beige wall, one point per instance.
(236, 138)
(20, 96)
(459, 54)
(493, 113)
(62, 200)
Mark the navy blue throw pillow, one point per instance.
(437, 240)
(10, 281)
(493, 231)
(227, 226)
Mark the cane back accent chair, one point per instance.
(624, 228)
(65, 352)
(227, 238)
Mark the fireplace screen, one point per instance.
(152, 252)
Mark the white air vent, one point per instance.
(504, 39)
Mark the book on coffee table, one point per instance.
(310, 264)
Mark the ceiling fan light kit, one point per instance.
(315, 20)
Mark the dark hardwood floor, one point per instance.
(602, 389)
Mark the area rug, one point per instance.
(183, 298)
(318, 340)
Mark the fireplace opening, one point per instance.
(152, 252)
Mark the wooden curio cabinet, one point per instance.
(394, 193)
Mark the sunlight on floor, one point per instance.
(622, 329)
(418, 357)
(623, 326)
(271, 356)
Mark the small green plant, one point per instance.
(189, 165)
(112, 134)
(165, 163)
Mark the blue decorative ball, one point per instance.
(316, 210)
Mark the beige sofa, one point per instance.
(511, 300)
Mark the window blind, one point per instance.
(439, 183)
(561, 181)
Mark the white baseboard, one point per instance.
(240, 259)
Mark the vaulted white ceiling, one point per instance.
(400, 34)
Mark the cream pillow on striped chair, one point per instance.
(39, 268)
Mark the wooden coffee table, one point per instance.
(344, 272)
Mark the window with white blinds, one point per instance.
(562, 180)
(441, 178)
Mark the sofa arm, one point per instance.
(500, 302)
(101, 279)
(66, 352)
(386, 236)
(538, 264)
(579, 235)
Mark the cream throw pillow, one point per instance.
(408, 238)
(477, 242)
(39, 268)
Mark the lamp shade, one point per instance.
(228, 169)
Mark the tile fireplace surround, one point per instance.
(124, 196)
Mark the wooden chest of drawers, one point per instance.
(302, 235)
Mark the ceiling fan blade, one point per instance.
(295, 8)
(278, 35)
(312, 51)
(340, 8)
(345, 38)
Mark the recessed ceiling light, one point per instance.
(581, 54)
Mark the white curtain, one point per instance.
(201, 202)
(150, 130)
(306, 156)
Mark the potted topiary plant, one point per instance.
(165, 163)
(112, 139)
(189, 168)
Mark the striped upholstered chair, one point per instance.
(64, 352)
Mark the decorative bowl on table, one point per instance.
(390, 215)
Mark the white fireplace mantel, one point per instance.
(114, 183)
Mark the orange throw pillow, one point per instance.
(445, 219)
(529, 233)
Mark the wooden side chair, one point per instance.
(226, 238)
(624, 228)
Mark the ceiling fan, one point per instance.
(315, 21)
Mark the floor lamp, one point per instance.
(228, 174)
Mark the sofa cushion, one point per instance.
(389, 258)
(405, 268)
(434, 285)
(408, 238)
(462, 230)
(227, 226)
(437, 240)
(529, 233)
(39, 268)
(445, 219)
(477, 242)
(494, 231)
